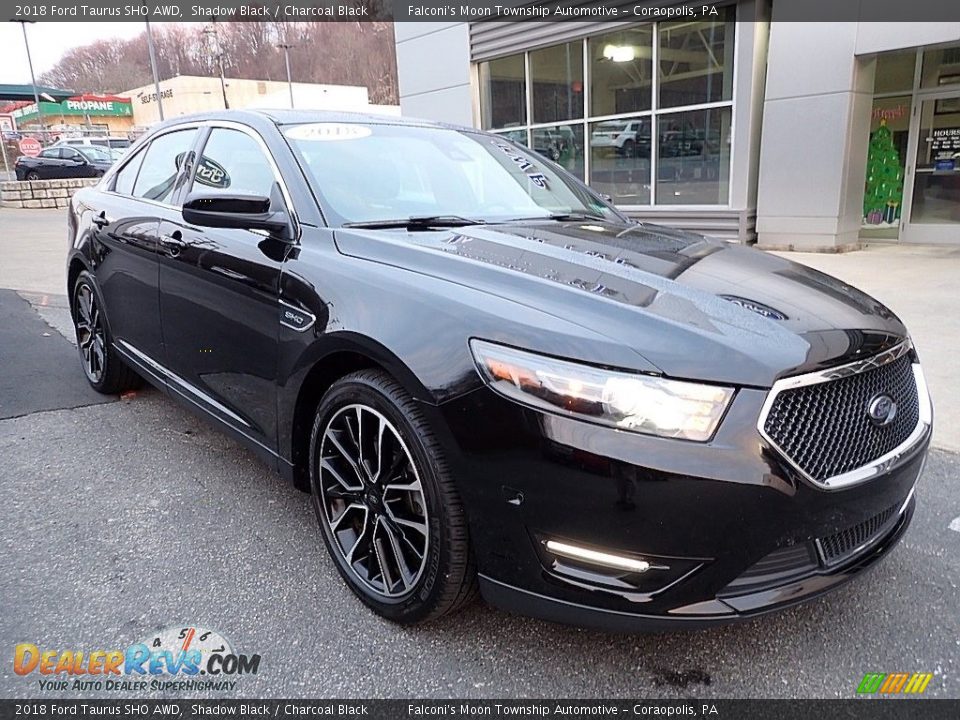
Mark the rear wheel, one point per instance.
(33, 175)
(104, 369)
(386, 504)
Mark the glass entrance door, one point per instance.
(934, 213)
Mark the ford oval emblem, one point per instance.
(882, 410)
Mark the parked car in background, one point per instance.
(60, 161)
(628, 138)
(110, 141)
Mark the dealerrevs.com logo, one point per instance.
(174, 659)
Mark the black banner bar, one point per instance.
(855, 709)
(464, 10)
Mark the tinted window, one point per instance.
(123, 183)
(158, 174)
(119, 143)
(69, 153)
(233, 162)
(101, 143)
(50, 153)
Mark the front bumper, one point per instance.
(714, 511)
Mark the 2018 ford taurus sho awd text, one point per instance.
(490, 379)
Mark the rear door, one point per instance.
(219, 293)
(49, 165)
(125, 225)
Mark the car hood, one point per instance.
(690, 307)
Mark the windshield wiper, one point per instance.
(576, 216)
(417, 222)
(560, 217)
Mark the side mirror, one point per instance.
(79, 159)
(241, 212)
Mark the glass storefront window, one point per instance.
(620, 159)
(503, 97)
(563, 144)
(941, 67)
(693, 157)
(556, 80)
(886, 155)
(936, 183)
(696, 61)
(601, 108)
(621, 71)
(895, 71)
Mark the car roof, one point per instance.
(291, 117)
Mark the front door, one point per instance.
(219, 295)
(934, 189)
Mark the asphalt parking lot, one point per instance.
(122, 516)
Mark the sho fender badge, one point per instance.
(295, 318)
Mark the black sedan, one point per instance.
(63, 161)
(488, 377)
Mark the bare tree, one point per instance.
(339, 53)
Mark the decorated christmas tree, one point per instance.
(884, 189)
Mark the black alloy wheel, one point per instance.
(390, 516)
(104, 369)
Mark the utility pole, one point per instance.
(286, 58)
(214, 37)
(153, 66)
(33, 79)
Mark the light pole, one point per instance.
(214, 38)
(33, 79)
(286, 58)
(153, 66)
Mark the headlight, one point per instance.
(640, 403)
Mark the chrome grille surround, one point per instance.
(876, 466)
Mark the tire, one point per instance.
(398, 536)
(104, 369)
(33, 175)
(629, 149)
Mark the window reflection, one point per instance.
(557, 82)
(693, 157)
(620, 159)
(621, 71)
(696, 61)
(563, 144)
(503, 92)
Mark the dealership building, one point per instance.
(740, 125)
(185, 94)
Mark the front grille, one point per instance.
(776, 569)
(840, 546)
(824, 428)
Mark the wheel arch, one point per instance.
(320, 367)
(74, 268)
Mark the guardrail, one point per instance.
(41, 193)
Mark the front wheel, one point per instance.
(390, 515)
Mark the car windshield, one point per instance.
(367, 173)
(94, 153)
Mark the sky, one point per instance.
(48, 42)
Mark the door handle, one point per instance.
(101, 220)
(174, 242)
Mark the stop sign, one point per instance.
(30, 146)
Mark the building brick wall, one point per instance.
(41, 193)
